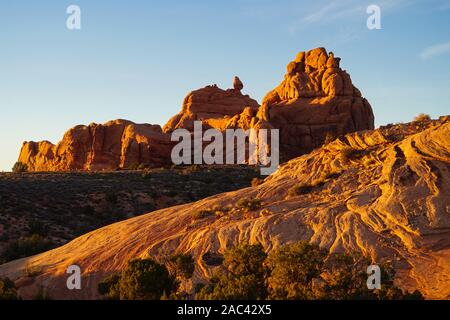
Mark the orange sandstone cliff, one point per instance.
(115, 144)
(316, 101)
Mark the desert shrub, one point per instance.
(329, 137)
(247, 205)
(245, 259)
(422, 117)
(299, 189)
(213, 258)
(345, 278)
(257, 181)
(208, 180)
(305, 271)
(304, 188)
(243, 277)
(297, 271)
(388, 290)
(191, 169)
(87, 210)
(229, 287)
(225, 179)
(145, 279)
(142, 166)
(332, 175)
(110, 287)
(325, 177)
(348, 153)
(26, 247)
(146, 174)
(133, 166)
(37, 227)
(20, 167)
(170, 193)
(199, 287)
(197, 215)
(293, 269)
(32, 271)
(7, 290)
(111, 197)
(181, 265)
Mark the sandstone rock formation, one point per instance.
(113, 145)
(315, 101)
(209, 104)
(383, 193)
(237, 84)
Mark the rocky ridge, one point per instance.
(316, 101)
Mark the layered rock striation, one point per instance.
(315, 101)
(113, 145)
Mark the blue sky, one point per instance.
(138, 59)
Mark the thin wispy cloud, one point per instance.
(347, 9)
(333, 11)
(346, 13)
(435, 51)
(321, 13)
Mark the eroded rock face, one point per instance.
(124, 144)
(211, 105)
(316, 99)
(113, 145)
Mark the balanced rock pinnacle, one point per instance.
(237, 84)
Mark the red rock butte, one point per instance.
(316, 100)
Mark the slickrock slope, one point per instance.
(384, 193)
(115, 144)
